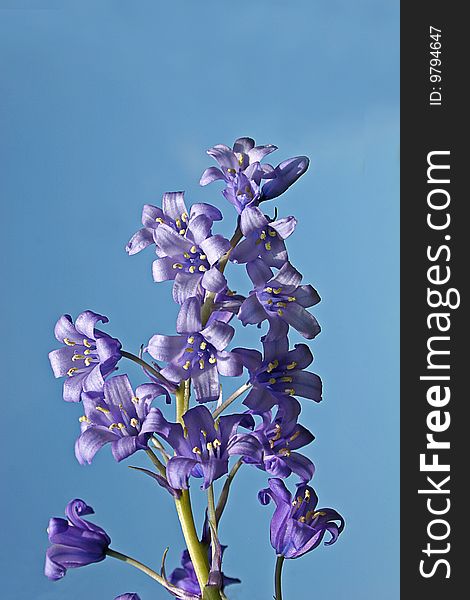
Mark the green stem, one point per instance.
(210, 296)
(146, 366)
(211, 514)
(160, 466)
(197, 551)
(226, 489)
(159, 446)
(137, 565)
(242, 389)
(278, 578)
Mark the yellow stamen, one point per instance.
(134, 422)
(291, 365)
(284, 452)
(268, 245)
(295, 436)
(184, 217)
(201, 363)
(280, 312)
(203, 256)
(286, 379)
(272, 381)
(290, 391)
(187, 255)
(135, 400)
(193, 249)
(121, 425)
(191, 339)
(203, 345)
(189, 349)
(272, 365)
(272, 233)
(113, 426)
(278, 290)
(78, 357)
(292, 298)
(159, 220)
(212, 360)
(281, 304)
(196, 450)
(307, 495)
(192, 269)
(178, 223)
(177, 266)
(87, 352)
(86, 343)
(217, 443)
(240, 160)
(269, 290)
(182, 231)
(88, 361)
(69, 342)
(71, 371)
(262, 235)
(103, 410)
(186, 365)
(84, 419)
(202, 268)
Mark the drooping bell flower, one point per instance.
(285, 174)
(133, 596)
(281, 300)
(297, 525)
(264, 239)
(279, 375)
(88, 355)
(184, 577)
(117, 416)
(75, 541)
(204, 446)
(198, 353)
(280, 436)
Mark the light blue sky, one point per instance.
(106, 105)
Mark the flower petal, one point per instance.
(214, 281)
(229, 364)
(125, 446)
(173, 205)
(170, 242)
(301, 320)
(258, 272)
(90, 441)
(86, 321)
(140, 240)
(206, 384)
(166, 347)
(162, 269)
(218, 334)
(178, 471)
(186, 285)
(189, 316)
(211, 174)
(251, 312)
(215, 247)
(252, 219)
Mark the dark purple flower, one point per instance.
(279, 375)
(241, 170)
(204, 447)
(75, 542)
(297, 526)
(281, 300)
(118, 416)
(280, 437)
(89, 355)
(184, 577)
(197, 353)
(263, 238)
(285, 174)
(133, 596)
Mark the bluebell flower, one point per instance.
(281, 300)
(197, 353)
(298, 526)
(88, 355)
(264, 238)
(280, 436)
(118, 416)
(204, 446)
(75, 541)
(279, 374)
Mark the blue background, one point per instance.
(106, 105)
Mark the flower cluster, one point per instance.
(202, 440)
